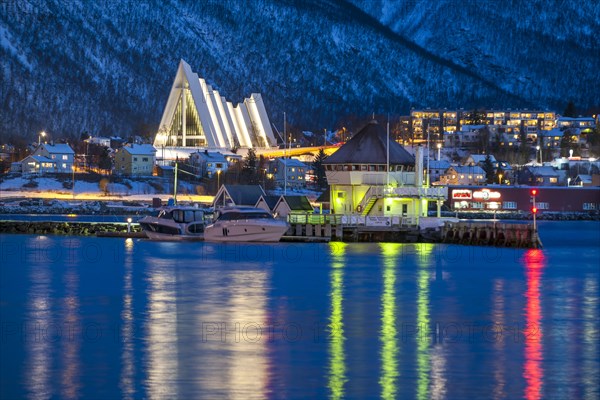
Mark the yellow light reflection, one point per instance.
(337, 357)
(389, 333)
(423, 251)
(126, 381)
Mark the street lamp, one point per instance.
(537, 148)
(500, 179)
(40, 136)
(439, 147)
(218, 179)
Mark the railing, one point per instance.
(353, 220)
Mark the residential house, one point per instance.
(296, 205)
(463, 175)
(295, 175)
(238, 195)
(37, 165)
(540, 176)
(209, 163)
(61, 154)
(479, 159)
(437, 168)
(582, 180)
(135, 159)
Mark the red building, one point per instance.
(518, 198)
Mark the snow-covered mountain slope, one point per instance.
(107, 67)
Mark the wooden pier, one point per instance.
(409, 230)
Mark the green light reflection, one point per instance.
(337, 357)
(423, 251)
(389, 334)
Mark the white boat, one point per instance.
(244, 224)
(175, 223)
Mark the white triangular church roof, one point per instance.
(224, 125)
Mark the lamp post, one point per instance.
(218, 179)
(129, 225)
(40, 136)
(439, 148)
(500, 179)
(537, 148)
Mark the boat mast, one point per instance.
(387, 145)
(175, 186)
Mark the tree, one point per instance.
(567, 142)
(593, 140)
(249, 173)
(570, 111)
(320, 177)
(488, 167)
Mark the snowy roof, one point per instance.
(479, 158)
(292, 162)
(542, 171)
(60, 148)
(140, 149)
(369, 146)
(214, 156)
(40, 159)
(468, 169)
(439, 164)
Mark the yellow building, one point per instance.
(372, 175)
(135, 160)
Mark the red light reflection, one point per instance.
(533, 372)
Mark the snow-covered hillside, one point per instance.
(107, 67)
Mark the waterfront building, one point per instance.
(293, 205)
(267, 202)
(518, 198)
(135, 160)
(372, 175)
(238, 195)
(61, 154)
(196, 115)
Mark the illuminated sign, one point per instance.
(486, 194)
(461, 194)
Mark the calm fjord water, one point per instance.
(113, 318)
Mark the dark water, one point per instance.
(113, 318)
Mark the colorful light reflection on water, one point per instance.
(112, 318)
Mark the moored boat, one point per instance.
(245, 224)
(176, 223)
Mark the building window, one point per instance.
(477, 204)
(65, 157)
(145, 159)
(589, 206)
(553, 180)
(543, 205)
(509, 205)
(134, 158)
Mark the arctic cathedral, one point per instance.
(197, 116)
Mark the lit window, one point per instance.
(509, 205)
(65, 157)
